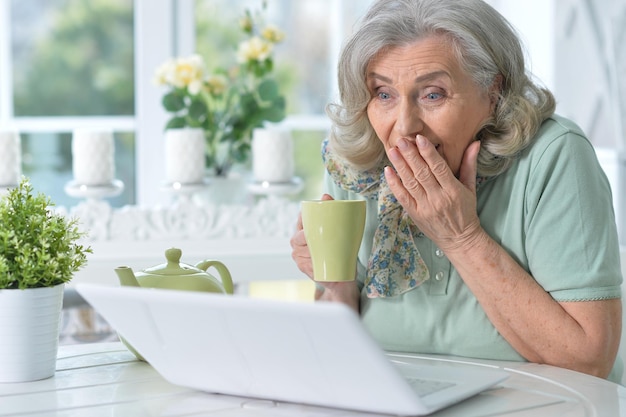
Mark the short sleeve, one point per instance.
(571, 242)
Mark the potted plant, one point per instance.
(39, 253)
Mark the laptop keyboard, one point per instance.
(425, 387)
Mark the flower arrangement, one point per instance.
(226, 103)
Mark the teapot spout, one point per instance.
(126, 276)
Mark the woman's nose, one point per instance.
(409, 121)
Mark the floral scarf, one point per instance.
(395, 265)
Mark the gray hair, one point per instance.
(486, 46)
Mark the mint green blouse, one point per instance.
(551, 211)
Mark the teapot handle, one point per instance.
(224, 273)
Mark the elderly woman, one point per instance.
(490, 231)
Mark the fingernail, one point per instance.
(403, 144)
(394, 154)
(421, 141)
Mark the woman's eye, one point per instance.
(433, 96)
(383, 95)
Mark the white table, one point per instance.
(104, 379)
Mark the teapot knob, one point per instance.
(173, 256)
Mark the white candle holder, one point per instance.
(184, 157)
(93, 157)
(94, 192)
(293, 186)
(93, 166)
(184, 191)
(272, 155)
(10, 160)
(273, 163)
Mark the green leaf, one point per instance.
(248, 103)
(194, 123)
(198, 109)
(276, 112)
(268, 90)
(176, 123)
(174, 101)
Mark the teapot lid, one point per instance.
(173, 265)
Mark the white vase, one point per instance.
(29, 333)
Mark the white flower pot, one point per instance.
(29, 333)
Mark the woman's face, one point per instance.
(422, 89)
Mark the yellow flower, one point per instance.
(161, 75)
(272, 34)
(188, 72)
(255, 49)
(217, 84)
(181, 73)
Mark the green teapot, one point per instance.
(175, 275)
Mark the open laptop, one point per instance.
(308, 353)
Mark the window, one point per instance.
(66, 64)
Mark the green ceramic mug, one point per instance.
(333, 230)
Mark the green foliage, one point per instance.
(38, 247)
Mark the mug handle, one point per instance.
(224, 273)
